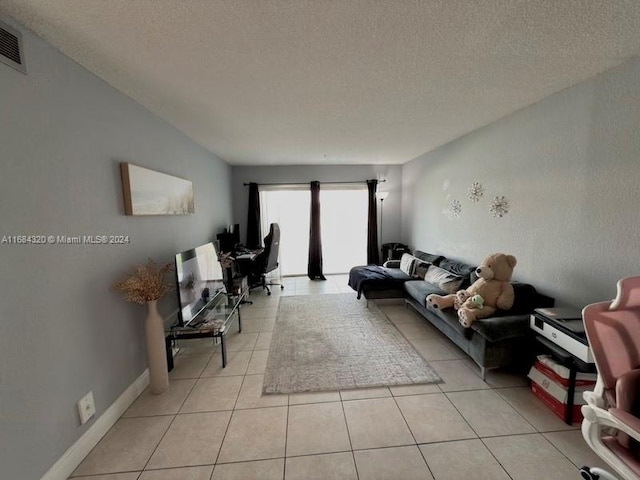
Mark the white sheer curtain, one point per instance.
(289, 207)
(343, 224)
(343, 211)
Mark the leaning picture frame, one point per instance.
(148, 192)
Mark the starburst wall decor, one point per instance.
(476, 191)
(455, 208)
(499, 206)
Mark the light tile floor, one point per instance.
(214, 423)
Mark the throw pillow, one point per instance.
(420, 269)
(406, 263)
(443, 279)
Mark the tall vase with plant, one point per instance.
(145, 284)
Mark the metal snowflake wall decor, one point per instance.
(499, 206)
(475, 192)
(455, 208)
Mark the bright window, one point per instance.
(343, 213)
(291, 210)
(343, 219)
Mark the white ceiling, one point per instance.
(335, 81)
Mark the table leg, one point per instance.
(223, 347)
(167, 344)
(568, 418)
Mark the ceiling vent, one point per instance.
(11, 52)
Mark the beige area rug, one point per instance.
(334, 342)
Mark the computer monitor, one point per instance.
(229, 238)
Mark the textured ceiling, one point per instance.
(335, 81)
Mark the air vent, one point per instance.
(11, 52)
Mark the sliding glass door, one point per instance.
(289, 207)
(343, 225)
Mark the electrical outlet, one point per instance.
(86, 408)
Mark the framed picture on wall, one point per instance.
(147, 192)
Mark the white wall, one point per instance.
(569, 166)
(62, 331)
(327, 174)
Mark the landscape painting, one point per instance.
(147, 192)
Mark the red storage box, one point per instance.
(560, 374)
(555, 395)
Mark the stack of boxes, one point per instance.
(550, 383)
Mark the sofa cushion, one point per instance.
(428, 257)
(397, 274)
(420, 269)
(450, 317)
(525, 299)
(419, 289)
(462, 269)
(391, 264)
(459, 268)
(513, 322)
(374, 277)
(496, 329)
(406, 263)
(443, 279)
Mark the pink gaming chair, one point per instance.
(613, 330)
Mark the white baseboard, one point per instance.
(81, 448)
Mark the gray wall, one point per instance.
(569, 166)
(323, 173)
(62, 331)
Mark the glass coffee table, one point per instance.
(213, 322)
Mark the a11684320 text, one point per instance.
(65, 240)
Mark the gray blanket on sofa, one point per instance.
(361, 277)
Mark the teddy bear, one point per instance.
(493, 286)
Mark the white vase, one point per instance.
(156, 351)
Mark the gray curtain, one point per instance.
(254, 236)
(373, 256)
(314, 267)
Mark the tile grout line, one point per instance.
(226, 430)
(478, 436)
(538, 430)
(412, 435)
(159, 442)
(286, 439)
(168, 428)
(561, 452)
(496, 458)
(346, 423)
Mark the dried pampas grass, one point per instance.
(145, 283)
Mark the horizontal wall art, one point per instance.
(147, 192)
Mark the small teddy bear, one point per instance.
(493, 287)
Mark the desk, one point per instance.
(219, 314)
(246, 257)
(244, 263)
(237, 275)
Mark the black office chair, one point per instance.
(266, 261)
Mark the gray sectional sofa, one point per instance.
(498, 341)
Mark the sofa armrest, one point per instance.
(391, 264)
(498, 328)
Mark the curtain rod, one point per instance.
(307, 183)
